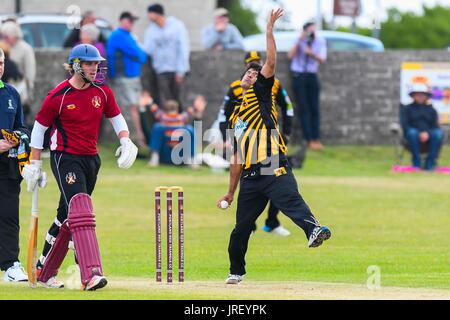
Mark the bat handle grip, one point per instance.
(34, 202)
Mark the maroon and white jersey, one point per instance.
(75, 116)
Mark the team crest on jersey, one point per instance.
(71, 178)
(239, 128)
(96, 101)
(71, 107)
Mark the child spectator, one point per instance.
(165, 134)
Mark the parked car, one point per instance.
(50, 30)
(336, 41)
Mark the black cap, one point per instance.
(128, 15)
(156, 8)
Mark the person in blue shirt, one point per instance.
(14, 137)
(125, 58)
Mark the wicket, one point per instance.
(169, 191)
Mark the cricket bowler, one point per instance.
(259, 163)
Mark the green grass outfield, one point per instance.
(398, 222)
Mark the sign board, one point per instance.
(349, 8)
(436, 75)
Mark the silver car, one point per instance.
(336, 41)
(50, 30)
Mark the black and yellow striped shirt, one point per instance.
(235, 91)
(256, 132)
(233, 99)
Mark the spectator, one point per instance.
(89, 34)
(222, 35)
(422, 126)
(23, 55)
(168, 120)
(125, 58)
(198, 108)
(308, 53)
(74, 38)
(167, 43)
(11, 72)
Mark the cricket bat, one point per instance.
(32, 241)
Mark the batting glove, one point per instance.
(127, 153)
(33, 175)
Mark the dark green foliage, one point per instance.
(407, 30)
(243, 19)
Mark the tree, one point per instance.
(408, 30)
(244, 19)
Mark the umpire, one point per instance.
(13, 138)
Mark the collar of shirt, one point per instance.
(170, 23)
(1, 84)
(124, 30)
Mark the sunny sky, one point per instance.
(303, 10)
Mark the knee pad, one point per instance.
(56, 255)
(82, 226)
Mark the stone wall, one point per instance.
(360, 90)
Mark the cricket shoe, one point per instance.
(15, 273)
(318, 236)
(52, 283)
(234, 279)
(280, 230)
(96, 282)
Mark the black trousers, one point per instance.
(253, 196)
(272, 221)
(306, 87)
(74, 174)
(9, 222)
(272, 218)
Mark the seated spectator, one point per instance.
(422, 126)
(198, 107)
(163, 136)
(222, 35)
(168, 121)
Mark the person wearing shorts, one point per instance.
(125, 58)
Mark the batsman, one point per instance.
(259, 163)
(73, 110)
